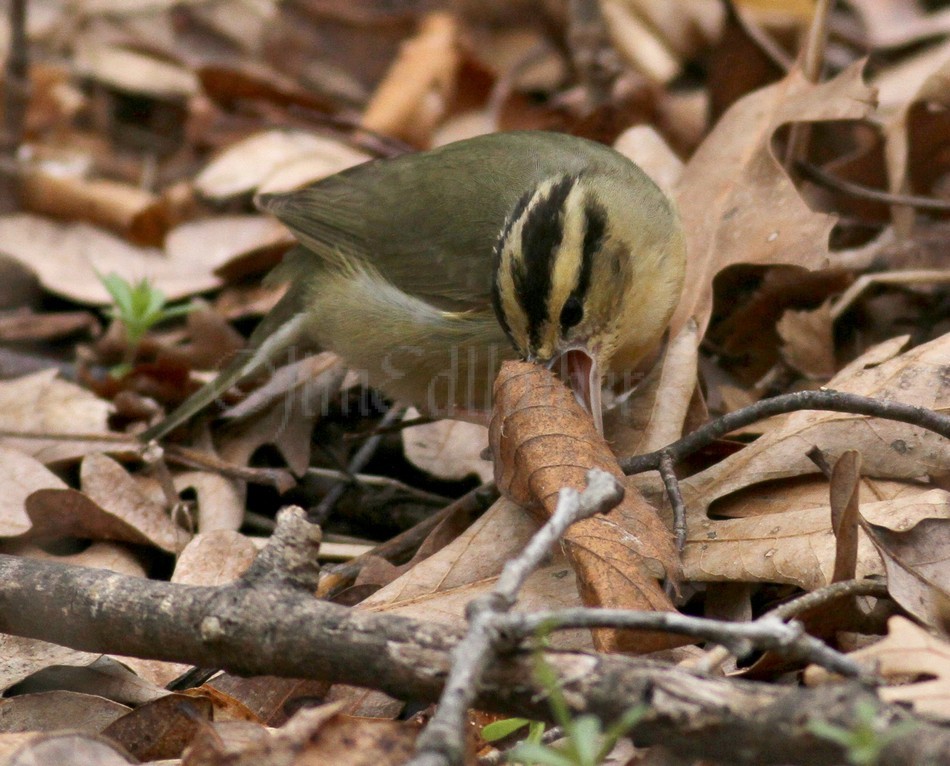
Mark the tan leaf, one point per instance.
(414, 94)
(67, 257)
(122, 511)
(161, 728)
(888, 449)
(796, 546)
(542, 441)
(844, 499)
(43, 403)
(448, 449)
(21, 476)
(221, 501)
(59, 709)
(737, 203)
(261, 160)
(808, 342)
(908, 651)
(916, 561)
(218, 557)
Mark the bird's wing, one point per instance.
(428, 222)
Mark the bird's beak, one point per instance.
(579, 369)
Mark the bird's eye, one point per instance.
(572, 312)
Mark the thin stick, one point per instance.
(829, 181)
(442, 743)
(834, 401)
(676, 499)
(769, 632)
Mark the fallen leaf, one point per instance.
(59, 709)
(808, 342)
(916, 562)
(68, 259)
(43, 403)
(542, 441)
(796, 547)
(888, 449)
(413, 96)
(448, 449)
(161, 728)
(907, 652)
(737, 203)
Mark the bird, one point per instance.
(425, 271)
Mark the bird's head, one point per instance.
(588, 270)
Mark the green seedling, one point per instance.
(586, 743)
(139, 307)
(865, 741)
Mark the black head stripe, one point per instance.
(541, 236)
(594, 232)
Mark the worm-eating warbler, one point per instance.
(425, 271)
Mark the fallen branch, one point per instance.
(279, 630)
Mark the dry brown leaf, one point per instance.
(67, 257)
(68, 749)
(123, 512)
(893, 23)
(214, 558)
(60, 709)
(654, 414)
(283, 412)
(315, 735)
(916, 561)
(42, 403)
(808, 341)
(221, 501)
(132, 72)
(21, 475)
(542, 441)
(125, 209)
(22, 657)
(649, 150)
(908, 652)
(889, 449)
(796, 547)
(414, 94)
(843, 493)
(737, 203)
(251, 163)
(225, 240)
(112, 556)
(161, 728)
(448, 449)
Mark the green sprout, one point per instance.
(139, 307)
(866, 740)
(586, 743)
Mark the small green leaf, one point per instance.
(501, 729)
(530, 753)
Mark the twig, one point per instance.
(768, 47)
(387, 482)
(817, 175)
(909, 277)
(676, 499)
(363, 455)
(844, 589)
(399, 548)
(17, 88)
(834, 401)
(769, 632)
(811, 57)
(443, 741)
